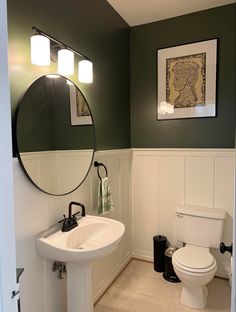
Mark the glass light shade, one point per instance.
(85, 70)
(65, 62)
(40, 50)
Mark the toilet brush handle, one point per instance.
(224, 248)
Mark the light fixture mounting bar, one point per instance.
(39, 31)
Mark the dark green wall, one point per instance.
(217, 132)
(44, 121)
(95, 29)
(35, 120)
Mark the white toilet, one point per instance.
(198, 228)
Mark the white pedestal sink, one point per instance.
(93, 238)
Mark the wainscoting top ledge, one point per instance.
(114, 151)
(219, 152)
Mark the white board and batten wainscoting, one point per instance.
(35, 211)
(146, 184)
(53, 170)
(164, 178)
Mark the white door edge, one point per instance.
(7, 224)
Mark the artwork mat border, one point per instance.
(192, 114)
(74, 119)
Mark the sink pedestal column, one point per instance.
(79, 287)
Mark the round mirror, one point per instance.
(55, 135)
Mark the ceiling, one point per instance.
(137, 12)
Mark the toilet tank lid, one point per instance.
(200, 211)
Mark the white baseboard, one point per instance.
(222, 275)
(142, 256)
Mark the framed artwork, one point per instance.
(186, 81)
(79, 110)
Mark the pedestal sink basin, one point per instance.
(93, 238)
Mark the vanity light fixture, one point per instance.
(40, 50)
(65, 62)
(85, 71)
(65, 56)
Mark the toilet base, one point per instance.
(194, 297)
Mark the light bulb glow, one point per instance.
(70, 83)
(166, 108)
(85, 69)
(52, 76)
(65, 62)
(40, 50)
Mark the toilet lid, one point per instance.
(194, 257)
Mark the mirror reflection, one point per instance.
(55, 135)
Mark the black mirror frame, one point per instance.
(17, 146)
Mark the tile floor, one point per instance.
(140, 289)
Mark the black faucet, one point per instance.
(71, 222)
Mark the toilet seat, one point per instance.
(194, 259)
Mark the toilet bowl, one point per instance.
(198, 229)
(195, 267)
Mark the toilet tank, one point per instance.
(200, 226)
